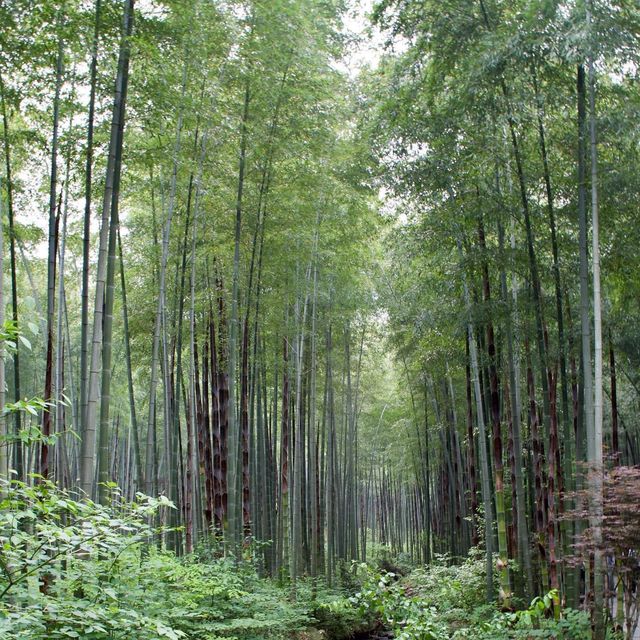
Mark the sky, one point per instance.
(367, 48)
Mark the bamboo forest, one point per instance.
(320, 319)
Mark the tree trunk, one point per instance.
(61, 466)
(88, 451)
(471, 455)
(498, 467)
(524, 552)
(170, 436)
(4, 459)
(151, 467)
(615, 443)
(107, 327)
(18, 457)
(594, 440)
(536, 443)
(135, 431)
(51, 263)
(234, 517)
(86, 232)
(484, 463)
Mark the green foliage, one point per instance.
(59, 560)
(531, 623)
(447, 601)
(76, 569)
(11, 335)
(220, 598)
(457, 589)
(31, 434)
(340, 619)
(380, 556)
(408, 616)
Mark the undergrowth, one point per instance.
(76, 569)
(447, 601)
(71, 569)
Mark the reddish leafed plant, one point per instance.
(619, 539)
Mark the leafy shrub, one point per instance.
(531, 623)
(340, 619)
(448, 601)
(59, 560)
(75, 569)
(408, 617)
(459, 587)
(381, 558)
